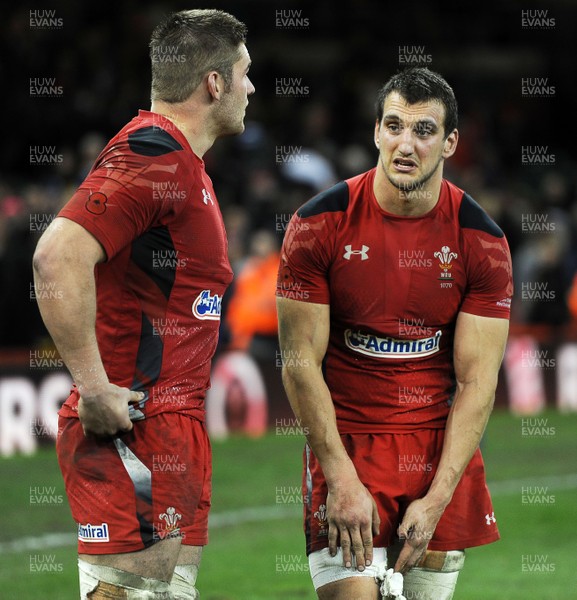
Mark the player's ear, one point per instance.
(450, 144)
(215, 85)
(377, 131)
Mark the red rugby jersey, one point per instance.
(395, 286)
(150, 203)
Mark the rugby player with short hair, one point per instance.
(394, 293)
(140, 256)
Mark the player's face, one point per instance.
(412, 142)
(232, 109)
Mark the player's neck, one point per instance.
(189, 121)
(407, 203)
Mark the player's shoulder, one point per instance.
(140, 145)
(150, 140)
(473, 216)
(333, 200)
(338, 199)
(470, 214)
(147, 136)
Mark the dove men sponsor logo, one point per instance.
(388, 347)
(207, 306)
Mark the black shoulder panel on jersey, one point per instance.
(334, 199)
(472, 216)
(152, 141)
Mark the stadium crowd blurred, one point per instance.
(309, 125)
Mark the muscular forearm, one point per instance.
(311, 402)
(352, 514)
(465, 426)
(466, 423)
(69, 313)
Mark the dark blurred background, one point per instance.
(316, 68)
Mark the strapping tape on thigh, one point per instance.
(183, 582)
(92, 575)
(444, 562)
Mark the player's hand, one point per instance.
(417, 529)
(106, 413)
(352, 514)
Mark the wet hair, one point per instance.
(419, 84)
(189, 44)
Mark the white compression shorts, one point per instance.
(325, 568)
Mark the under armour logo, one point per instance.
(490, 518)
(206, 197)
(363, 252)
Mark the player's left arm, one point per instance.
(479, 345)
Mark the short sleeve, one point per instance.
(121, 198)
(305, 260)
(490, 276)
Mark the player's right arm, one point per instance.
(351, 510)
(64, 262)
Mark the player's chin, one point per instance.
(404, 181)
(233, 130)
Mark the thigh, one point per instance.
(469, 519)
(374, 457)
(350, 589)
(132, 491)
(156, 562)
(333, 581)
(190, 555)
